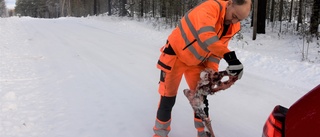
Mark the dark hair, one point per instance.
(239, 2)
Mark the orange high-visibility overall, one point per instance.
(198, 42)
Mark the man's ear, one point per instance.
(229, 2)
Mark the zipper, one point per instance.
(190, 44)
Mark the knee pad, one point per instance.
(165, 107)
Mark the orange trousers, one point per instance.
(170, 81)
(168, 88)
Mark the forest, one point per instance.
(301, 15)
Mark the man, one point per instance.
(199, 41)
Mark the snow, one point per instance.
(96, 77)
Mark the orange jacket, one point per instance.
(197, 38)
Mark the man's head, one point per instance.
(237, 10)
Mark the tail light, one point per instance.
(274, 126)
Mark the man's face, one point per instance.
(236, 13)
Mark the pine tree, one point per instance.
(3, 8)
(315, 17)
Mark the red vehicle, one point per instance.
(302, 119)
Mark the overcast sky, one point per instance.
(10, 3)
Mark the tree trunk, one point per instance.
(141, 8)
(95, 7)
(267, 11)
(280, 10)
(255, 10)
(280, 13)
(291, 9)
(300, 14)
(123, 10)
(69, 8)
(163, 8)
(315, 17)
(261, 21)
(272, 10)
(109, 7)
(62, 7)
(153, 8)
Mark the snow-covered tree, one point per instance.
(3, 9)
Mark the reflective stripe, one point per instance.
(200, 127)
(162, 129)
(203, 44)
(163, 125)
(191, 48)
(195, 34)
(202, 134)
(183, 34)
(206, 29)
(198, 123)
(211, 40)
(213, 59)
(196, 54)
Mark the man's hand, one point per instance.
(235, 67)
